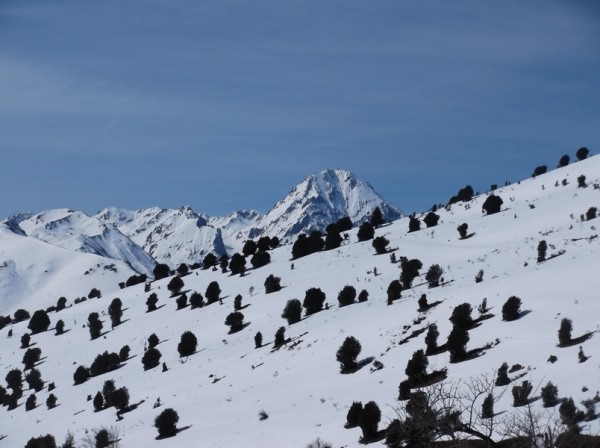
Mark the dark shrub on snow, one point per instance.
(166, 423)
(511, 310)
(353, 416)
(151, 358)
(492, 204)
(313, 301)
(39, 322)
(292, 311)
(213, 292)
(160, 271)
(365, 232)
(272, 284)
(347, 353)
(187, 345)
(347, 295)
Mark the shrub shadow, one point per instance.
(578, 340)
(16, 407)
(237, 330)
(472, 354)
(377, 438)
(434, 377)
(177, 431)
(483, 317)
(558, 254)
(413, 335)
(440, 349)
(131, 407)
(121, 323)
(157, 308)
(273, 292)
(475, 323)
(429, 306)
(534, 399)
(102, 334)
(38, 363)
(359, 365)
(117, 367)
(183, 428)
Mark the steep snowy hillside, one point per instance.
(77, 231)
(34, 273)
(229, 393)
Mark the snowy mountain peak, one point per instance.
(323, 198)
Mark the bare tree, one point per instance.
(452, 410)
(447, 409)
(537, 428)
(318, 443)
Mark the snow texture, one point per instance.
(219, 391)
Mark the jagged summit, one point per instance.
(323, 198)
(175, 236)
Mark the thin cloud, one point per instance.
(277, 90)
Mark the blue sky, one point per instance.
(226, 105)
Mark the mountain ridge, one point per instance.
(176, 236)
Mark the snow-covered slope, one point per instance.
(77, 231)
(170, 236)
(219, 391)
(33, 272)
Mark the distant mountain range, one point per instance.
(143, 237)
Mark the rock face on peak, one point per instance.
(322, 199)
(171, 236)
